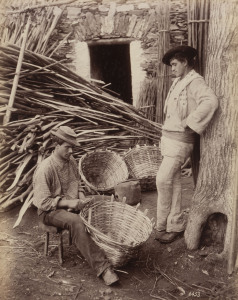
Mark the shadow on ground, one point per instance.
(158, 272)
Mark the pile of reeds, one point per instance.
(163, 79)
(43, 19)
(198, 23)
(50, 95)
(148, 98)
(155, 88)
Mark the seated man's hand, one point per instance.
(83, 202)
(79, 204)
(74, 204)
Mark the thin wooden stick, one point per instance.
(16, 78)
(162, 70)
(232, 250)
(198, 21)
(40, 6)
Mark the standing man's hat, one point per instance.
(66, 134)
(187, 51)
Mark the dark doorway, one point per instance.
(111, 64)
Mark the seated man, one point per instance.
(57, 191)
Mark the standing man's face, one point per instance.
(179, 69)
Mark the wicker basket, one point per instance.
(143, 163)
(117, 228)
(102, 170)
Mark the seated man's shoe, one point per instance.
(109, 276)
(159, 234)
(169, 237)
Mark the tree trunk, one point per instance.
(216, 185)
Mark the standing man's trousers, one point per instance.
(169, 185)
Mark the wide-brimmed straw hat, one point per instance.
(187, 51)
(66, 134)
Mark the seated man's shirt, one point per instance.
(55, 180)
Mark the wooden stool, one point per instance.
(52, 229)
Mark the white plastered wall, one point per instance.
(137, 73)
(82, 60)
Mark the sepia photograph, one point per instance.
(118, 149)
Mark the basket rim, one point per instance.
(138, 148)
(103, 235)
(133, 160)
(93, 187)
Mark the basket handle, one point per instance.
(89, 215)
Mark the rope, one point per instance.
(198, 21)
(164, 30)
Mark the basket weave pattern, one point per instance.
(143, 164)
(117, 228)
(102, 170)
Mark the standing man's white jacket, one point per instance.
(190, 102)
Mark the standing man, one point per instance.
(57, 191)
(189, 107)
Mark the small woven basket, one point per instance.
(143, 164)
(117, 228)
(102, 170)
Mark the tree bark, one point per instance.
(216, 185)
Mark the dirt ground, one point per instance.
(158, 272)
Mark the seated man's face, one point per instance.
(64, 151)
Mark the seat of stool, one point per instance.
(49, 228)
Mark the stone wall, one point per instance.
(135, 20)
(179, 24)
(118, 21)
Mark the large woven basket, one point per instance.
(143, 164)
(117, 228)
(102, 170)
